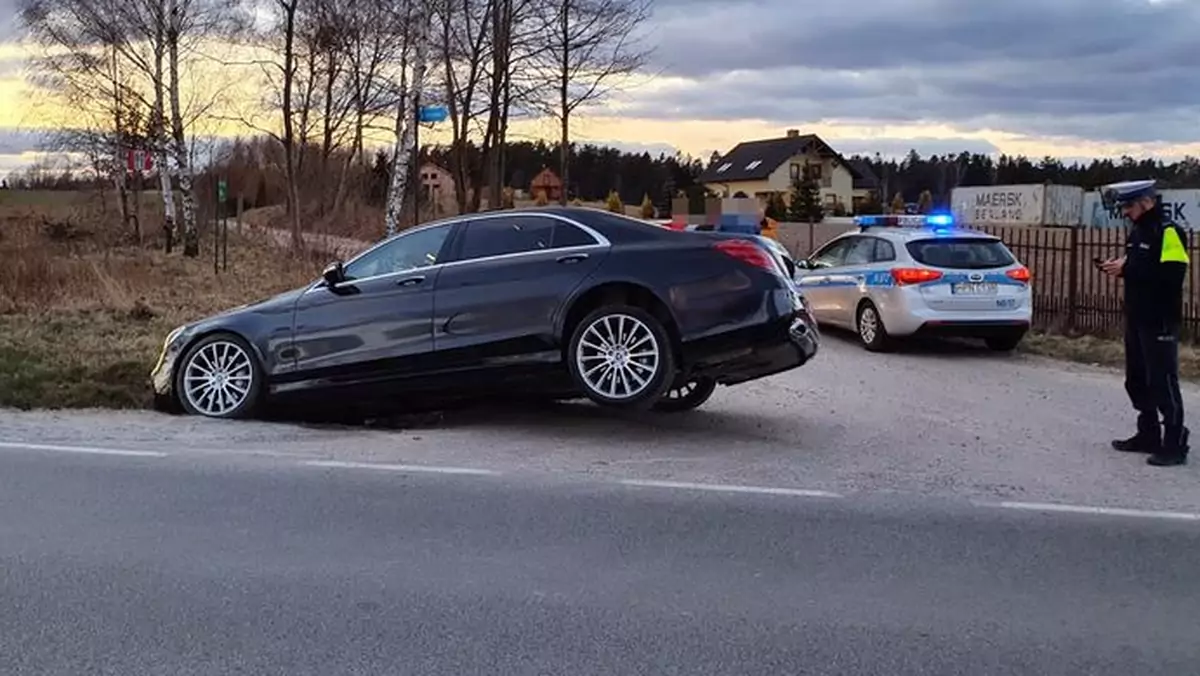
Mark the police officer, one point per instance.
(1153, 268)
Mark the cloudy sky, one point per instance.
(1071, 78)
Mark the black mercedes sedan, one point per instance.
(551, 302)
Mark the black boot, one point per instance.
(1174, 452)
(1138, 443)
(1148, 438)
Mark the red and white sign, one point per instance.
(139, 160)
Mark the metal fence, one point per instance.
(1069, 294)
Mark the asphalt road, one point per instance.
(936, 420)
(163, 564)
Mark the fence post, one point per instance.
(1073, 289)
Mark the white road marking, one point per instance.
(425, 469)
(732, 488)
(1101, 511)
(88, 450)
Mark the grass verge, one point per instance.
(84, 311)
(1101, 351)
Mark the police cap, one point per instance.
(1116, 195)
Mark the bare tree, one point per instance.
(590, 47)
(374, 40)
(464, 45)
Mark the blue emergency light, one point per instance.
(934, 221)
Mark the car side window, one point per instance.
(567, 235)
(861, 251)
(884, 251)
(487, 237)
(418, 249)
(831, 255)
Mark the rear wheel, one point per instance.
(687, 396)
(219, 377)
(621, 356)
(871, 331)
(1004, 343)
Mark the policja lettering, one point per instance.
(1153, 268)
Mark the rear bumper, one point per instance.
(974, 329)
(905, 312)
(750, 354)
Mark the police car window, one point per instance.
(960, 253)
(832, 254)
(861, 251)
(416, 249)
(884, 251)
(506, 235)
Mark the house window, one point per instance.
(752, 165)
(795, 171)
(812, 172)
(724, 167)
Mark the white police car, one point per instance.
(901, 276)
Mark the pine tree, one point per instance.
(776, 207)
(925, 202)
(614, 203)
(806, 203)
(647, 207)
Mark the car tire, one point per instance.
(1004, 343)
(870, 328)
(219, 377)
(607, 371)
(687, 396)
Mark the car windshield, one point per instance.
(962, 253)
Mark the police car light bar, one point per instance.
(905, 221)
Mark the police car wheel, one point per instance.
(687, 395)
(621, 356)
(871, 330)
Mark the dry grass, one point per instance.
(1101, 352)
(83, 311)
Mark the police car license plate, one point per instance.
(973, 289)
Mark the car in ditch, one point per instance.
(910, 275)
(558, 302)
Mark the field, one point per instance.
(84, 310)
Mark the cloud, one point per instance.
(18, 141)
(1100, 70)
(655, 149)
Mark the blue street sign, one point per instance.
(433, 114)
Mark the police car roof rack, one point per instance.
(934, 221)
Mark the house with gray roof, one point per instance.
(760, 168)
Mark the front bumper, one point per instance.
(162, 376)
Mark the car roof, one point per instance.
(910, 234)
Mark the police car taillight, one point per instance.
(747, 252)
(1020, 274)
(905, 276)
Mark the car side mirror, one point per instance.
(334, 273)
(805, 264)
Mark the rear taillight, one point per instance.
(747, 252)
(1020, 274)
(905, 276)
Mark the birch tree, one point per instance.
(406, 115)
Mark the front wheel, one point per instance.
(621, 356)
(219, 377)
(871, 331)
(689, 395)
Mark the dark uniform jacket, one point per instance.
(1156, 262)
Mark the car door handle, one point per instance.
(410, 281)
(860, 278)
(572, 258)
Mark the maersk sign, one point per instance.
(1181, 206)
